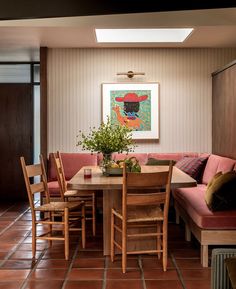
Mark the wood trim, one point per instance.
(224, 112)
(61, 8)
(43, 103)
(223, 68)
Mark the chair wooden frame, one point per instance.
(142, 209)
(88, 197)
(64, 209)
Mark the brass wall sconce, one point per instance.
(130, 74)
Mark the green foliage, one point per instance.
(108, 138)
(132, 165)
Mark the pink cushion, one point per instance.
(142, 157)
(53, 188)
(193, 202)
(172, 156)
(216, 164)
(166, 156)
(72, 163)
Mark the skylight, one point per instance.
(142, 35)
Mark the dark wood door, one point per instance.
(16, 138)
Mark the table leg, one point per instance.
(111, 199)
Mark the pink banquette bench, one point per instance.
(72, 163)
(209, 228)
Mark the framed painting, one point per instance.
(135, 105)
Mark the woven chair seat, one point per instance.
(74, 193)
(59, 206)
(141, 214)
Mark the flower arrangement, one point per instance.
(108, 138)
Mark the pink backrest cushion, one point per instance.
(172, 156)
(72, 163)
(216, 164)
(142, 157)
(166, 156)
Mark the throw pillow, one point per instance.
(221, 194)
(213, 179)
(156, 162)
(192, 166)
(231, 268)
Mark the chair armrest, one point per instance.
(219, 275)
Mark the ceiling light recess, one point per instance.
(142, 35)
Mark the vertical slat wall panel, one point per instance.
(74, 92)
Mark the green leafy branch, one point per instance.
(108, 138)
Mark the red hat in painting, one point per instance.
(131, 97)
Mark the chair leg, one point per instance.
(51, 217)
(124, 247)
(66, 232)
(83, 226)
(94, 214)
(164, 260)
(112, 237)
(33, 239)
(158, 240)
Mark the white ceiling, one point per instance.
(212, 28)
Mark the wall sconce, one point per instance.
(130, 74)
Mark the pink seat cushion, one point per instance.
(193, 202)
(216, 164)
(72, 163)
(142, 157)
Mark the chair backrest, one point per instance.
(35, 180)
(60, 173)
(146, 189)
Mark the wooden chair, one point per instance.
(146, 204)
(87, 196)
(66, 224)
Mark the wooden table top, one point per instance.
(100, 182)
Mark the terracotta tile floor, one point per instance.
(88, 269)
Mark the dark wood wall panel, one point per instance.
(16, 138)
(43, 102)
(224, 112)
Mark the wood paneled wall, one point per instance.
(74, 92)
(224, 111)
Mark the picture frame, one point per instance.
(135, 105)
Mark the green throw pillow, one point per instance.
(156, 162)
(213, 180)
(221, 192)
(231, 268)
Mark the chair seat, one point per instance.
(75, 193)
(141, 214)
(59, 206)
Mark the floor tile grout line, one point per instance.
(104, 283)
(12, 223)
(14, 250)
(178, 271)
(7, 210)
(23, 286)
(142, 273)
(19, 243)
(70, 266)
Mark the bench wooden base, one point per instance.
(205, 237)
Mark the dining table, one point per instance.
(112, 188)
